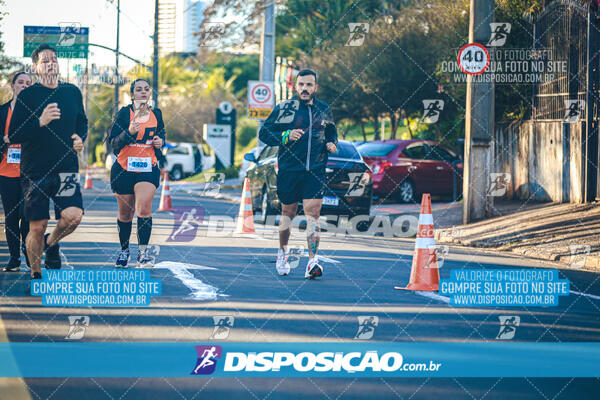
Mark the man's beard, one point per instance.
(303, 101)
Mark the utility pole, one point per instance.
(155, 57)
(267, 48)
(479, 124)
(116, 109)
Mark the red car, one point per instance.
(404, 169)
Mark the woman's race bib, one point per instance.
(13, 155)
(139, 164)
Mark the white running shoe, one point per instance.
(282, 266)
(313, 269)
(144, 259)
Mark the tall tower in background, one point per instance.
(178, 21)
(192, 17)
(167, 23)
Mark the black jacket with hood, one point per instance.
(309, 152)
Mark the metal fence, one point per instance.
(561, 29)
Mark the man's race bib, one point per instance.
(13, 155)
(139, 164)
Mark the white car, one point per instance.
(184, 159)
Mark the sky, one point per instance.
(137, 24)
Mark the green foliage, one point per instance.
(99, 113)
(245, 131)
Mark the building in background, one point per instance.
(178, 21)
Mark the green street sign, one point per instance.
(70, 40)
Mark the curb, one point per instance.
(592, 262)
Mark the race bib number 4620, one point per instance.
(139, 164)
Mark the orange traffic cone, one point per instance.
(245, 222)
(165, 196)
(88, 179)
(424, 274)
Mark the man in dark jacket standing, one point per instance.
(50, 123)
(304, 130)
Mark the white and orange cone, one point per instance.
(245, 222)
(165, 196)
(88, 179)
(424, 274)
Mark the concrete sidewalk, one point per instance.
(567, 233)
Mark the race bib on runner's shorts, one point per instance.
(13, 155)
(139, 164)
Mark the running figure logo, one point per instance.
(213, 184)
(498, 184)
(579, 253)
(358, 32)
(437, 255)
(187, 220)
(357, 184)
(500, 31)
(508, 326)
(68, 31)
(573, 110)
(223, 325)
(77, 326)
(432, 110)
(211, 33)
(68, 184)
(366, 326)
(207, 359)
(287, 111)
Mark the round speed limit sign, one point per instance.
(261, 93)
(473, 59)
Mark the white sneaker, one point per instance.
(282, 266)
(313, 269)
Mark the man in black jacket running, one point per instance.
(304, 130)
(50, 123)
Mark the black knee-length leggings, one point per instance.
(15, 224)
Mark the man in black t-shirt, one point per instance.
(50, 123)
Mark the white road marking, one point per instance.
(434, 296)
(586, 295)
(322, 258)
(200, 290)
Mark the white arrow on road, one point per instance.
(200, 290)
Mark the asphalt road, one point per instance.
(220, 273)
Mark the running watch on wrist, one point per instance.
(285, 136)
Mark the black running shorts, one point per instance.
(122, 181)
(293, 186)
(63, 188)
